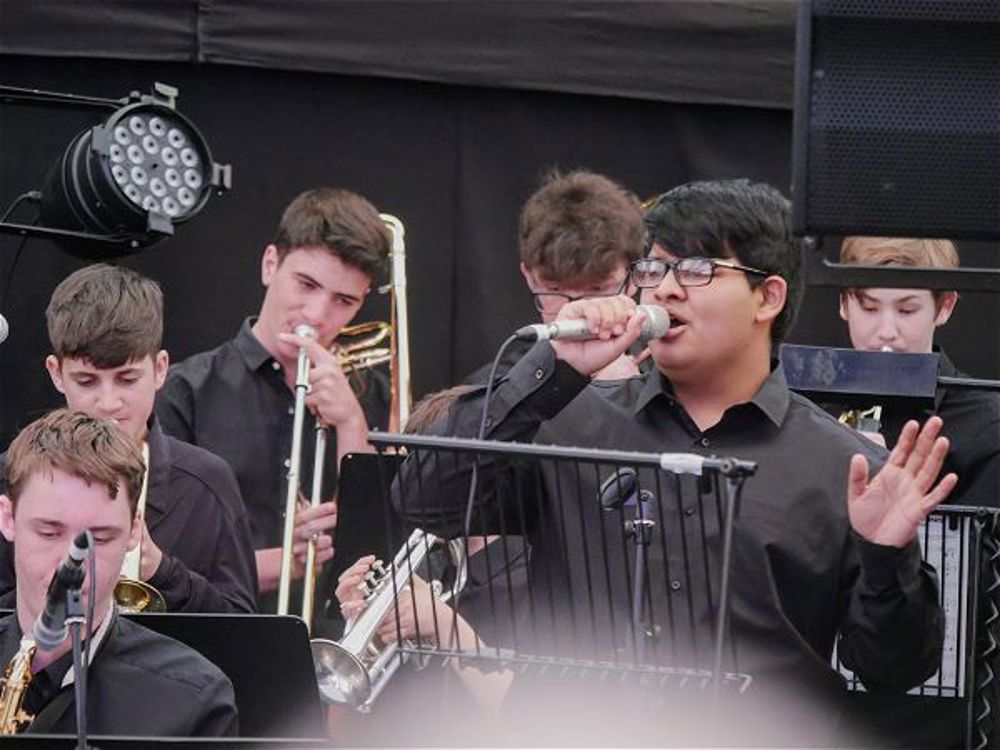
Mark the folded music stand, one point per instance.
(364, 525)
(268, 660)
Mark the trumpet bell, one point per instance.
(342, 677)
(133, 596)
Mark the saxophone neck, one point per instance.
(13, 686)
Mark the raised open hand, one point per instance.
(889, 508)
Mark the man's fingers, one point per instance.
(940, 493)
(928, 471)
(923, 446)
(904, 445)
(857, 477)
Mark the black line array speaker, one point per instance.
(897, 118)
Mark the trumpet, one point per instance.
(355, 669)
(866, 420)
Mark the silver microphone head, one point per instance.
(657, 322)
(305, 331)
(4, 329)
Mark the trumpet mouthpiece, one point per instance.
(304, 331)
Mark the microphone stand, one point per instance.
(640, 530)
(75, 621)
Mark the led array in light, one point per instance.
(156, 164)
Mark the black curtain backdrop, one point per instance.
(705, 51)
(454, 162)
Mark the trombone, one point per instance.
(353, 357)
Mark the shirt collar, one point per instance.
(94, 643)
(772, 398)
(250, 349)
(159, 466)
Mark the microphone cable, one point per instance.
(474, 479)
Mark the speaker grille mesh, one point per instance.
(904, 118)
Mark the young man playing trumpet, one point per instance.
(66, 473)
(906, 320)
(105, 325)
(237, 400)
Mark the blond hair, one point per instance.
(899, 251)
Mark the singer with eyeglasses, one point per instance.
(825, 547)
(68, 472)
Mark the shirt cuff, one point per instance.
(164, 572)
(547, 384)
(887, 567)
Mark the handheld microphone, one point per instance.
(49, 629)
(4, 329)
(656, 324)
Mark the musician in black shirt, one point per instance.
(905, 320)
(65, 473)
(824, 547)
(237, 400)
(105, 325)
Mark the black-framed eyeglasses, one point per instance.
(551, 302)
(649, 273)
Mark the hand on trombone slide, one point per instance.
(313, 523)
(330, 397)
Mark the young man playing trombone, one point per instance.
(237, 400)
(105, 326)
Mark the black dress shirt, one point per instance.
(800, 576)
(138, 683)
(196, 517)
(234, 402)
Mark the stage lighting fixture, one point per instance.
(124, 184)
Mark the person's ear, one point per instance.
(526, 274)
(773, 293)
(161, 363)
(54, 367)
(946, 307)
(844, 301)
(135, 533)
(7, 518)
(269, 263)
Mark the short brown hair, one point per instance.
(108, 315)
(76, 443)
(339, 221)
(431, 408)
(899, 251)
(578, 227)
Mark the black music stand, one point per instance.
(366, 525)
(268, 660)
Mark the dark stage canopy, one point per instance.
(705, 51)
